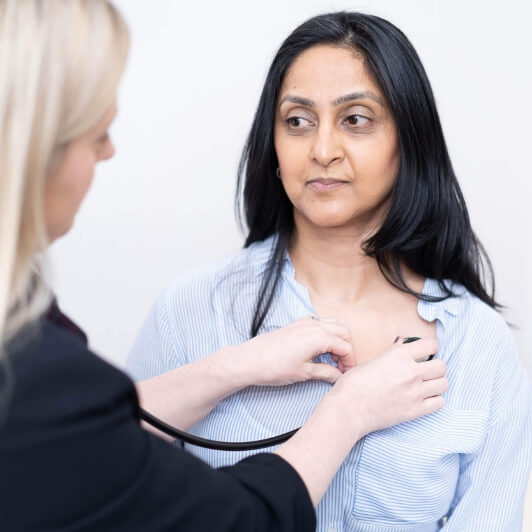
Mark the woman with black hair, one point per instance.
(354, 211)
(72, 453)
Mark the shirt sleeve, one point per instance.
(176, 491)
(158, 348)
(492, 484)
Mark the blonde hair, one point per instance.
(60, 65)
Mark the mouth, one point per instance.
(324, 184)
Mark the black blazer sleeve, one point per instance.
(74, 458)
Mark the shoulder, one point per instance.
(477, 345)
(222, 277)
(464, 313)
(54, 375)
(471, 329)
(192, 316)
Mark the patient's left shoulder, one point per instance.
(485, 323)
(471, 328)
(463, 314)
(481, 354)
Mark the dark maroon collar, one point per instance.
(59, 319)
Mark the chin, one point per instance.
(361, 222)
(330, 222)
(331, 217)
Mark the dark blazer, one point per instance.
(73, 456)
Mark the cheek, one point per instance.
(293, 162)
(280, 149)
(65, 189)
(84, 178)
(376, 164)
(76, 181)
(291, 152)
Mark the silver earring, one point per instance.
(278, 172)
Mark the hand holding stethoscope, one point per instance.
(303, 340)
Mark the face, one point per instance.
(336, 141)
(68, 182)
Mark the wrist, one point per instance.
(250, 366)
(228, 365)
(348, 412)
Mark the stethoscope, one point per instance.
(227, 445)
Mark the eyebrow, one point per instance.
(342, 99)
(297, 99)
(357, 96)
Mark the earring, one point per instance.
(278, 172)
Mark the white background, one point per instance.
(165, 203)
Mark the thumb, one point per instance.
(324, 372)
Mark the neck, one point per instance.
(330, 263)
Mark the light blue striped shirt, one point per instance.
(467, 463)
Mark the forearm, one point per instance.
(183, 396)
(318, 449)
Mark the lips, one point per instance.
(324, 184)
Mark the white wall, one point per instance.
(165, 203)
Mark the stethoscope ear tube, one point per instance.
(223, 445)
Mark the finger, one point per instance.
(435, 387)
(346, 363)
(337, 329)
(329, 342)
(324, 372)
(313, 317)
(431, 404)
(328, 320)
(433, 369)
(419, 349)
(338, 361)
(341, 350)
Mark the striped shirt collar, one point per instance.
(428, 310)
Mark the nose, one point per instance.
(327, 148)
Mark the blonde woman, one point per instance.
(72, 453)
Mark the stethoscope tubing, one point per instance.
(224, 445)
(213, 444)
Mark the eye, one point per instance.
(357, 120)
(297, 122)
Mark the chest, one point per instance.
(406, 474)
(374, 324)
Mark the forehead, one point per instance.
(329, 71)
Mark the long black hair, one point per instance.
(427, 227)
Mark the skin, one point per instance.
(185, 395)
(335, 141)
(69, 181)
(337, 147)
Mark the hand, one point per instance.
(393, 388)
(285, 356)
